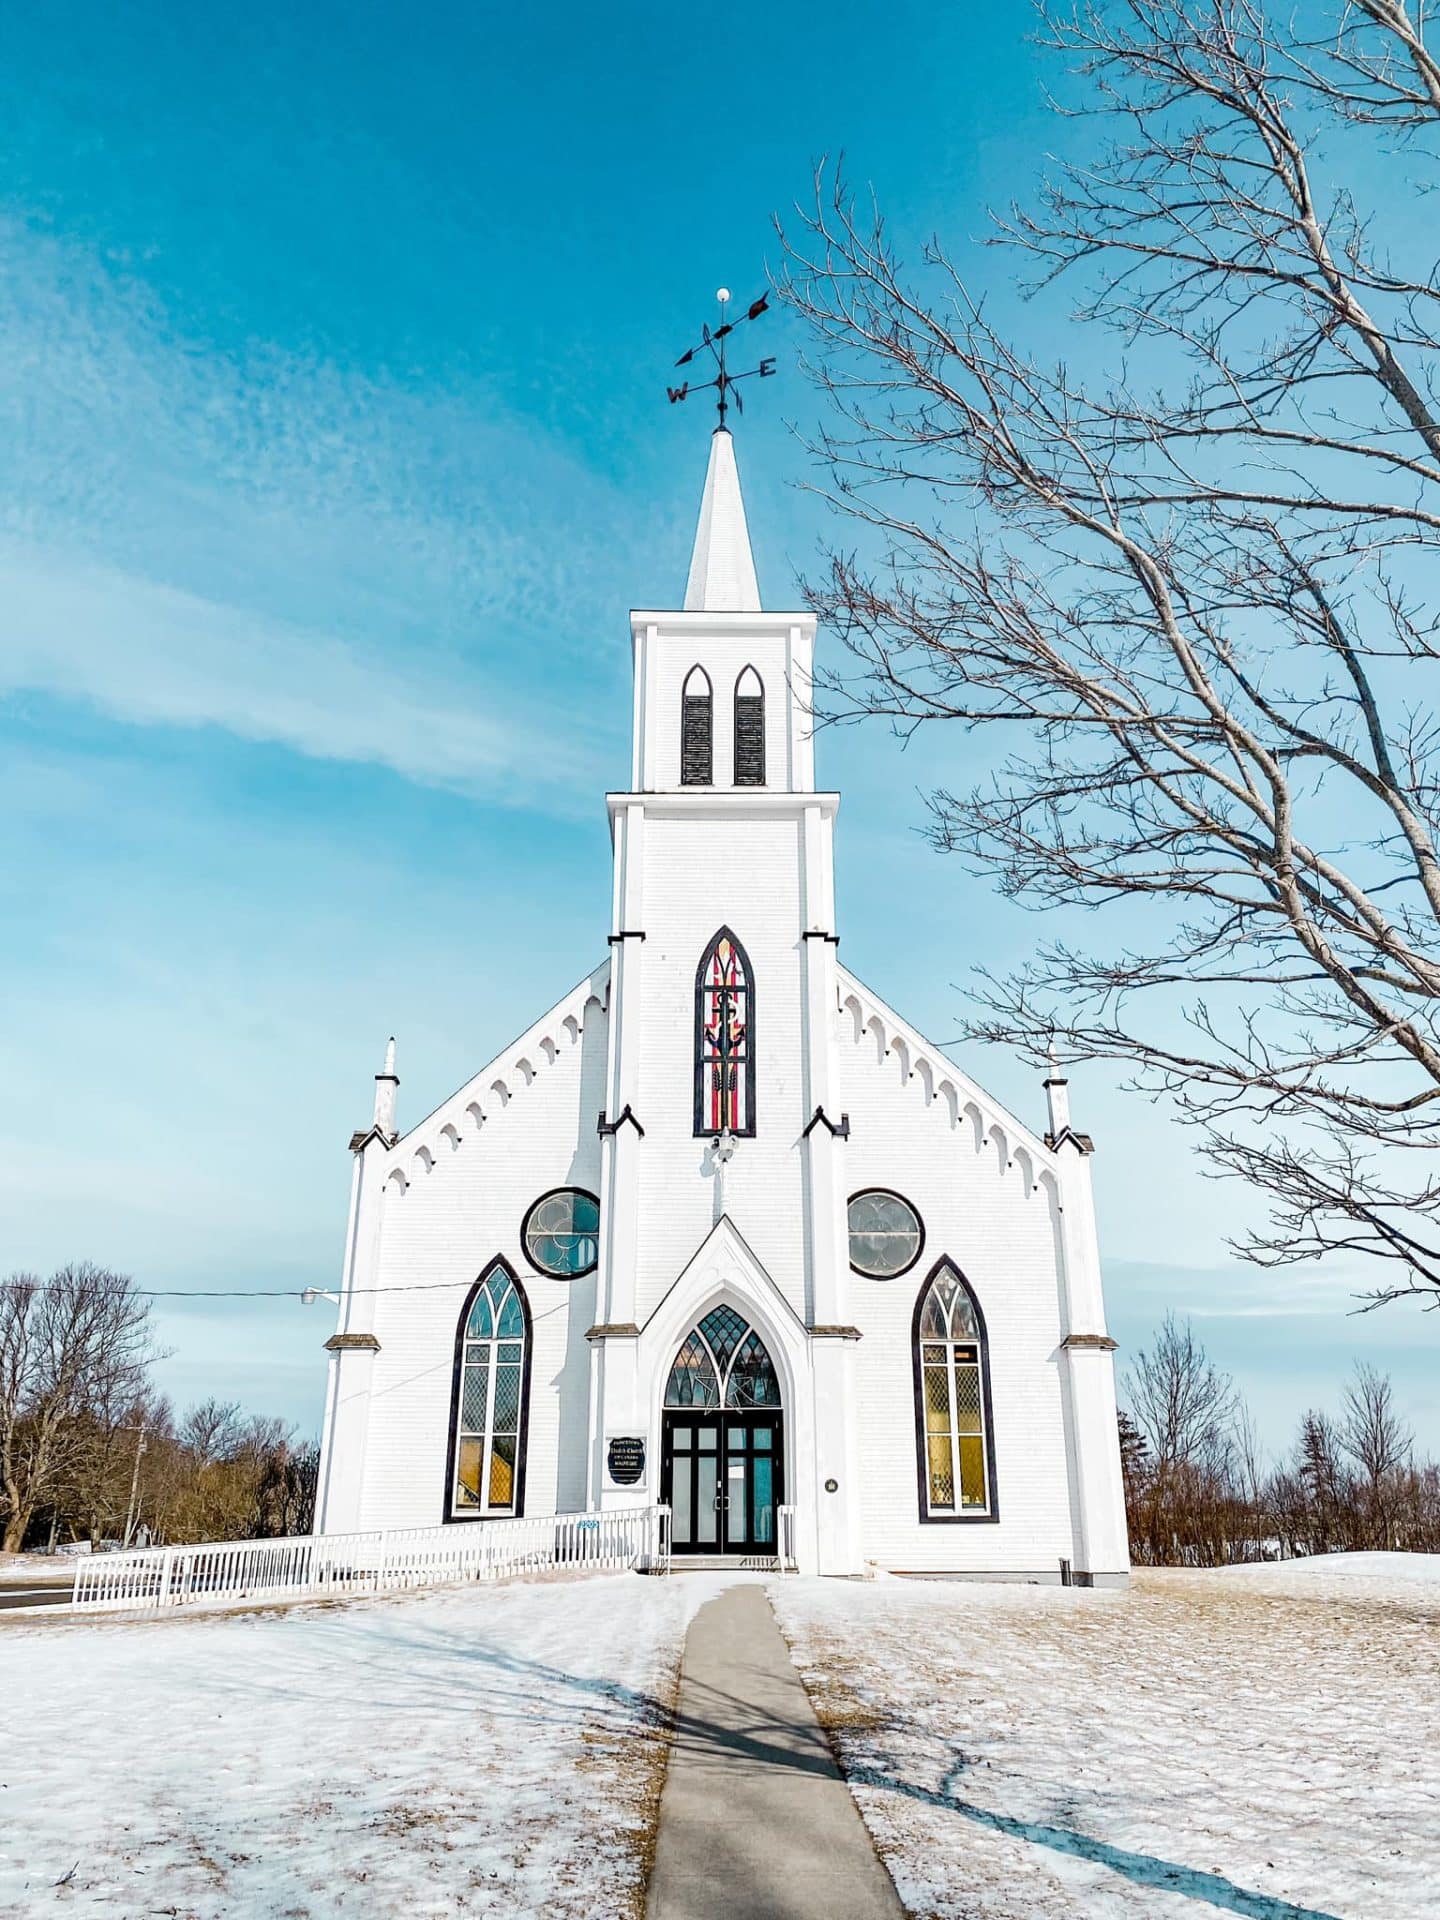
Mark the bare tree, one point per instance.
(1184, 1497)
(1377, 1439)
(69, 1344)
(1196, 593)
(1184, 1405)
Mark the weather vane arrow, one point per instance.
(714, 340)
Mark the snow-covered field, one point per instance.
(44, 1569)
(1259, 1741)
(483, 1751)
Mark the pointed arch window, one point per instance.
(697, 752)
(749, 730)
(952, 1401)
(724, 1039)
(491, 1399)
(722, 1362)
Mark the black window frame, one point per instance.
(890, 1193)
(549, 1273)
(922, 1464)
(522, 1430)
(753, 705)
(691, 707)
(703, 1130)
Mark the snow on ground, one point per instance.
(1202, 1742)
(46, 1569)
(487, 1750)
(1333, 1566)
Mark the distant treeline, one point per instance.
(88, 1449)
(1200, 1492)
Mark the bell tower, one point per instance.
(723, 860)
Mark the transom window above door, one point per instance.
(885, 1234)
(722, 1363)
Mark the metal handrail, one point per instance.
(785, 1539)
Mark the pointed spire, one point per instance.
(386, 1085)
(722, 569)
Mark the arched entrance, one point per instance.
(722, 1463)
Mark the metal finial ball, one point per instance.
(722, 294)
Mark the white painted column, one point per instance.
(832, 1498)
(1102, 1553)
(352, 1348)
(614, 1386)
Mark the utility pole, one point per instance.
(134, 1484)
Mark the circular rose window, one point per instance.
(561, 1235)
(885, 1234)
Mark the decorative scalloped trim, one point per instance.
(484, 1097)
(885, 1037)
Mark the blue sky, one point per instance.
(336, 449)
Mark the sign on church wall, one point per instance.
(625, 1460)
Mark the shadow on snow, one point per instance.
(768, 1742)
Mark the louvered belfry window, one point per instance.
(697, 751)
(749, 730)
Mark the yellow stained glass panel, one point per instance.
(467, 1473)
(937, 1401)
(502, 1473)
(967, 1397)
(942, 1476)
(972, 1471)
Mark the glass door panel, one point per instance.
(707, 1502)
(724, 1475)
(763, 1499)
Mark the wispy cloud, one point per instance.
(148, 654)
(301, 556)
(1240, 1292)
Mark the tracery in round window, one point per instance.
(885, 1234)
(561, 1235)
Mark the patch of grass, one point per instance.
(654, 1744)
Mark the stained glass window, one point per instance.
(724, 1042)
(561, 1234)
(752, 1381)
(693, 1381)
(954, 1431)
(722, 1362)
(885, 1234)
(489, 1394)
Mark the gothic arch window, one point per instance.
(749, 730)
(697, 752)
(491, 1400)
(724, 1039)
(722, 1363)
(954, 1435)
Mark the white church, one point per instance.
(720, 1230)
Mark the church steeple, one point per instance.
(722, 569)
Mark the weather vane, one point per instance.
(725, 383)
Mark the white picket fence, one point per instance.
(348, 1563)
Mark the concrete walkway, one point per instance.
(755, 1821)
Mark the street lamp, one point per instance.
(312, 1294)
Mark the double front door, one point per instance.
(723, 1475)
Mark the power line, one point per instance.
(244, 1293)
